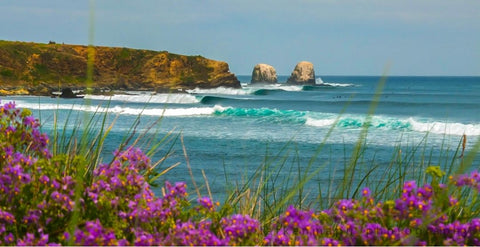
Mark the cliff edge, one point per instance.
(35, 68)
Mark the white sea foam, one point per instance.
(445, 128)
(409, 124)
(319, 122)
(311, 119)
(149, 98)
(278, 86)
(191, 111)
(220, 90)
(290, 88)
(336, 84)
(171, 112)
(333, 84)
(51, 106)
(355, 121)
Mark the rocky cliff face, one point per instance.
(264, 73)
(41, 68)
(303, 74)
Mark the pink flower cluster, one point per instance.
(117, 205)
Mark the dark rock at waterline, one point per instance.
(68, 93)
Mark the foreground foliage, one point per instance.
(55, 200)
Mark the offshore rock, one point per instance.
(68, 93)
(264, 73)
(303, 74)
(43, 68)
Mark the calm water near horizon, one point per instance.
(229, 133)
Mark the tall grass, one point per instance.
(265, 193)
(282, 180)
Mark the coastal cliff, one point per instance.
(39, 69)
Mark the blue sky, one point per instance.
(340, 37)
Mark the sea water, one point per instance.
(224, 135)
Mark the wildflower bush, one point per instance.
(43, 201)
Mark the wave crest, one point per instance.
(178, 98)
(410, 124)
(313, 119)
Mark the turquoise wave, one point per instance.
(210, 99)
(315, 119)
(274, 115)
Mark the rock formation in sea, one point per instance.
(264, 73)
(43, 68)
(303, 74)
(68, 93)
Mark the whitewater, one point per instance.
(230, 132)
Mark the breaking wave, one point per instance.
(308, 118)
(179, 98)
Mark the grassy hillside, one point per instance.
(40, 68)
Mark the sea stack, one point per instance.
(303, 74)
(264, 73)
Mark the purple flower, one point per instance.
(421, 243)
(7, 217)
(474, 226)
(10, 129)
(372, 233)
(279, 238)
(95, 234)
(453, 201)
(28, 240)
(8, 151)
(25, 178)
(189, 233)
(177, 190)
(206, 203)
(8, 106)
(415, 223)
(366, 192)
(44, 179)
(239, 227)
(43, 239)
(303, 227)
(29, 121)
(55, 185)
(9, 238)
(344, 205)
(425, 192)
(409, 187)
(329, 242)
(32, 217)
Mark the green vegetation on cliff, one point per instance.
(41, 68)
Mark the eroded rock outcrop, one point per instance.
(264, 73)
(39, 68)
(303, 74)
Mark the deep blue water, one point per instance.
(229, 133)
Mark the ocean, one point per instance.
(229, 134)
